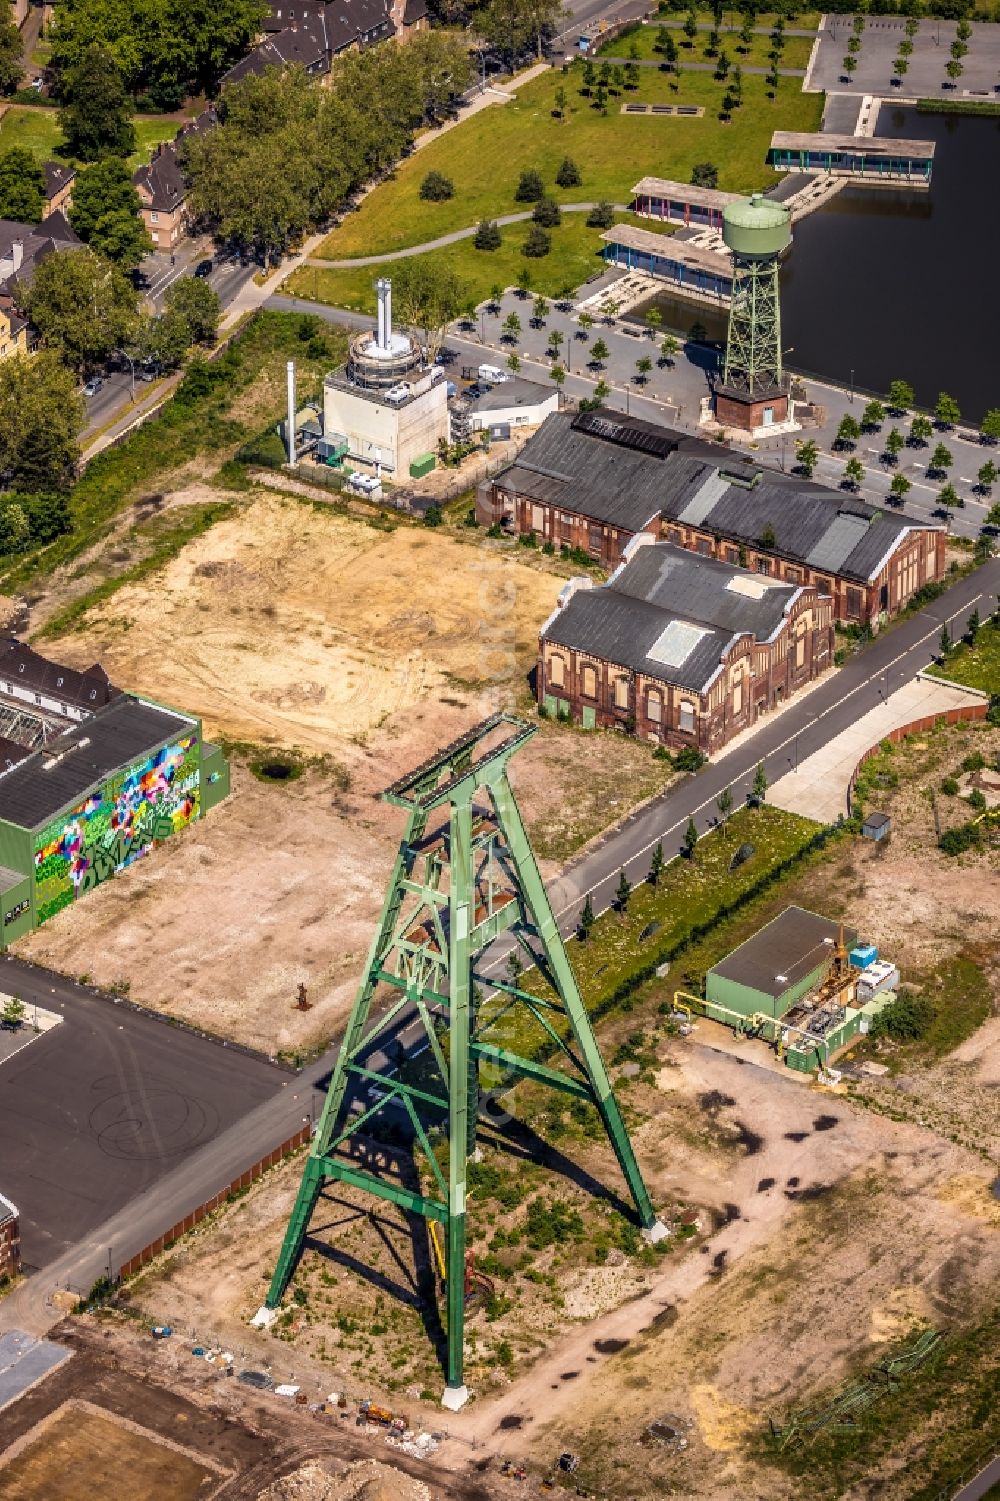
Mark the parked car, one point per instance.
(492, 375)
(204, 268)
(93, 385)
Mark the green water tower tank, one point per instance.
(757, 227)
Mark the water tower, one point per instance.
(754, 390)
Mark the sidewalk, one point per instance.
(818, 789)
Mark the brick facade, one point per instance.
(753, 678)
(10, 1240)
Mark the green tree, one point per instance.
(586, 919)
(746, 33)
(560, 101)
(81, 305)
(690, 839)
(873, 415)
(163, 341)
(546, 213)
(941, 459)
(556, 340)
(920, 430)
(691, 27)
(894, 443)
(712, 44)
(946, 411)
(849, 64)
(623, 892)
(598, 352)
(807, 453)
(96, 118)
(899, 488)
(11, 55)
(900, 397)
(13, 1011)
(949, 497)
(22, 186)
(511, 25)
(758, 791)
(601, 391)
(601, 216)
(653, 319)
(900, 67)
(15, 528)
(643, 366)
(191, 298)
(990, 425)
(530, 187)
(106, 213)
(662, 37)
(41, 414)
(724, 803)
(487, 236)
(987, 476)
(436, 188)
(854, 472)
(670, 54)
(513, 362)
(945, 641)
(669, 349)
(722, 68)
(536, 242)
(705, 175)
(631, 75)
(568, 175)
(512, 327)
(558, 374)
(656, 865)
(848, 432)
(540, 311)
(428, 296)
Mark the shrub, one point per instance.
(537, 243)
(949, 787)
(530, 187)
(957, 841)
(487, 236)
(905, 1019)
(435, 187)
(975, 761)
(547, 213)
(690, 759)
(568, 175)
(705, 175)
(601, 216)
(433, 516)
(551, 1223)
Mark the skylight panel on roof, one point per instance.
(675, 644)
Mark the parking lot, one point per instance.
(925, 77)
(100, 1108)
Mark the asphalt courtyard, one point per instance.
(101, 1108)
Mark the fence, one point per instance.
(130, 1267)
(966, 714)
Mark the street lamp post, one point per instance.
(852, 388)
(131, 366)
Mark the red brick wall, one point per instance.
(10, 1247)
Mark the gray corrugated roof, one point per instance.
(512, 393)
(791, 946)
(711, 489)
(30, 794)
(838, 541)
(578, 465)
(625, 620)
(615, 628)
(704, 589)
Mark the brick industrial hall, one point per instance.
(684, 650)
(594, 480)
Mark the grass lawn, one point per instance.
(795, 53)
(612, 153)
(37, 130)
(574, 256)
(976, 666)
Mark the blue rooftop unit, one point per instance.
(863, 955)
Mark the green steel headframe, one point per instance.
(456, 887)
(753, 347)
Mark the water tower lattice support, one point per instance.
(753, 347)
(455, 889)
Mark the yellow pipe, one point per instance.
(435, 1230)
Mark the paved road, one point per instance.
(981, 1485)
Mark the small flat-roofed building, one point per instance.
(864, 158)
(703, 274)
(685, 651)
(680, 202)
(95, 798)
(507, 405)
(779, 965)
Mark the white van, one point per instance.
(492, 375)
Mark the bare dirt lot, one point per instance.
(289, 626)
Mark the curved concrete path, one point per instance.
(450, 239)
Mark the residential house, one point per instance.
(163, 193)
(59, 179)
(22, 247)
(13, 329)
(683, 650)
(595, 480)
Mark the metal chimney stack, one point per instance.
(384, 289)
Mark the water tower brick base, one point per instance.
(737, 409)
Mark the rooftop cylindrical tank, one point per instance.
(757, 227)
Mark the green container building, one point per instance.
(94, 800)
(422, 464)
(775, 968)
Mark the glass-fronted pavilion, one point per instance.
(865, 158)
(680, 202)
(690, 268)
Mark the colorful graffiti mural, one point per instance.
(117, 825)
